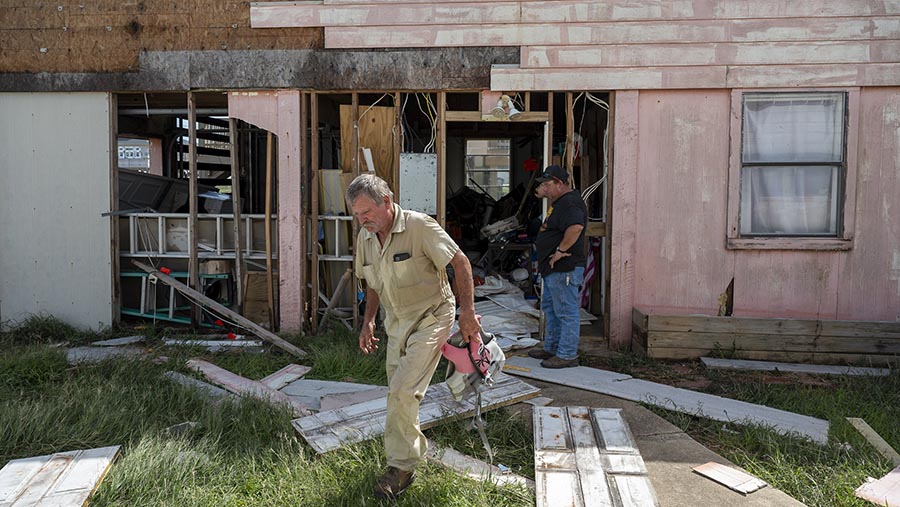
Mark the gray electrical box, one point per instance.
(418, 182)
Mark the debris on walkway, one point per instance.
(473, 468)
(820, 369)
(884, 491)
(333, 429)
(246, 387)
(587, 456)
(729, 477)
(64, 479)
(875, 439)
(673, 398)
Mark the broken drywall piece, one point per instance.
(673, 398)
(333, 429)
(588, 456)
(87, 355)
(116, 342)
(884, 491)
(473, 468)
(819, 369)
(63, 479)
(285, 376)
(245, 387)
(340, 400)
(207, 389)
(875, 439)
(729, 477)
(310, 392)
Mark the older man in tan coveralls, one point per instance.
(403, 256)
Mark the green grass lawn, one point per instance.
(245, 453)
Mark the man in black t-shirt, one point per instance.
(560, 253)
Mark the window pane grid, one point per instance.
(488, 165)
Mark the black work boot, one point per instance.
(393, 483)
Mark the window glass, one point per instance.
(793, 127)
(487, 166)
(785, 200)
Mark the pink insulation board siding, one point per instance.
(279, 113)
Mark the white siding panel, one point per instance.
(54, 184)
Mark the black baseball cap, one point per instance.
(551, 172)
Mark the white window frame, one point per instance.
(846, 207)
(470, 170)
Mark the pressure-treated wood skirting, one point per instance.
(802, 340)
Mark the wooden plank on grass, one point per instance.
(63, 479)
(329, 430)
(244, 386)
(115, 342)
(285, 376)
(682, 400)
(875, 439)
(714, 363)
(209, 390)
(221, 310)
(731, 478)
(472, 468)
(78, 355)
(575, 462)
(884, 491)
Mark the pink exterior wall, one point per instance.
(679, 208)
(279, 113)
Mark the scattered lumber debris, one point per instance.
(340, 400)
(820, 369)
(875, 439)
(64, 479)
(214, 345)
(473, 468)
(587, 456)
(285, 376)
(222, 310)
(116, 342)
(729, 477)
(246, 387)
(86, 355)
(673, 398)
(329, 430)
(884, 491)
(207, 389)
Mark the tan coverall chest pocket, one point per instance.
(408, 272)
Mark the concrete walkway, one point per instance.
(668, 452)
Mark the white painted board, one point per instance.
(64, 479)
(418, 182)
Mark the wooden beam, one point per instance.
(570, 138)
(442, 158)
(285, 376)
(241, 386)
(236, 213)
(875, 440)
(270, 285)
(116, 283)
(193, 203)
(472, 468)
(355, 119)
(476, 116)
(607, 242)
(304, 207)
(313, 231)
(398, 145)
(202, 300)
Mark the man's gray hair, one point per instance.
(370, 186)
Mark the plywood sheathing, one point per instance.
(376, 132)
(420, 69)
(109, 35)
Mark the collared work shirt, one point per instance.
(409, 272)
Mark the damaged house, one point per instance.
(739, 160)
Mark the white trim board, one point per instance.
(673, 398)
(473, 468)
(115, 342)
(587, 456)
(820, 369)
(731, 478)
(875, 439)
(64, 479)
(333, 429)
(285, 376)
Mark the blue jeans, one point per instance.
(560, 304)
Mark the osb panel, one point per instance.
(108, 35)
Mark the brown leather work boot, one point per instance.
(558, 362)
(539, 354)
(393, 483)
